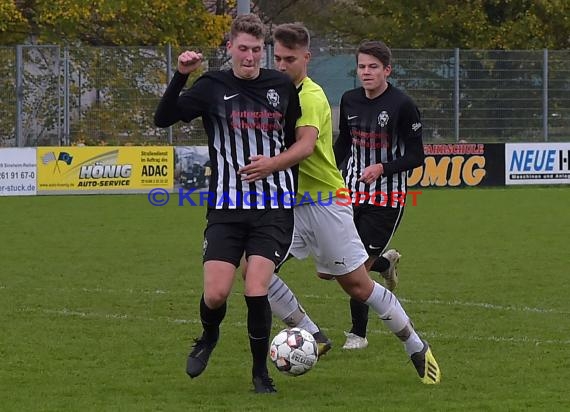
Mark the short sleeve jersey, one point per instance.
(319, 178)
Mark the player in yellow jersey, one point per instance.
(324, 227)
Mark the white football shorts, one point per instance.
(327, 232)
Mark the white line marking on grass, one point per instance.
(483, 305)
(116, 316)
(499, 339)
(121, 316)
(130, 291)
(190, 292)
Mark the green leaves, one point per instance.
(477, 24)
(112, 23)
(13, 26)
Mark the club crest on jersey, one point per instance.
(383, 118)
(273, 97)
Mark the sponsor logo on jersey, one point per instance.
(273, 97)
(383, 118)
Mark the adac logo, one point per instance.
(61, 157)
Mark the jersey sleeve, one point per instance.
(343, 141)
(409, 129)
(292, 114)
(313, 106)
(175, 106)
(167, 113)
(196, 101)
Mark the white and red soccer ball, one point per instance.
(293, 351)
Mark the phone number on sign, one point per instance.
(17, 175)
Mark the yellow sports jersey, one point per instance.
(319, 179)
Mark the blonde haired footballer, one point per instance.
(328, 232)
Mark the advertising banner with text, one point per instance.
(124, 169)
(17, 171)
(460, 165)
(537, 163)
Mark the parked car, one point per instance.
(196, 176)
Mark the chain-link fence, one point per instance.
(95, 96)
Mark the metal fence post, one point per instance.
(456, 95)
(19, 96)
(269, 56)
(168, 78)
(545, 94)
(243, 7)
(66, 114)
(60, 121)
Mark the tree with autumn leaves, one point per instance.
(469, 24)
(112, 89)
(120, 102)
(433, 24)
(111, 22)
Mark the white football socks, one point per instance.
(286, 307)
(388, 308)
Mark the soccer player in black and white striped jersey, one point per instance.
(327, 232)
(380, 138)
(247, 112)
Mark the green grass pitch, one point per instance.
(99, 304)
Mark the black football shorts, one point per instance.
(230, 233)
(376, 226)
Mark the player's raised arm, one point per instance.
(168, 113)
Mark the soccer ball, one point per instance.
(293, 351)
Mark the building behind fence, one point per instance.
(55, 95)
